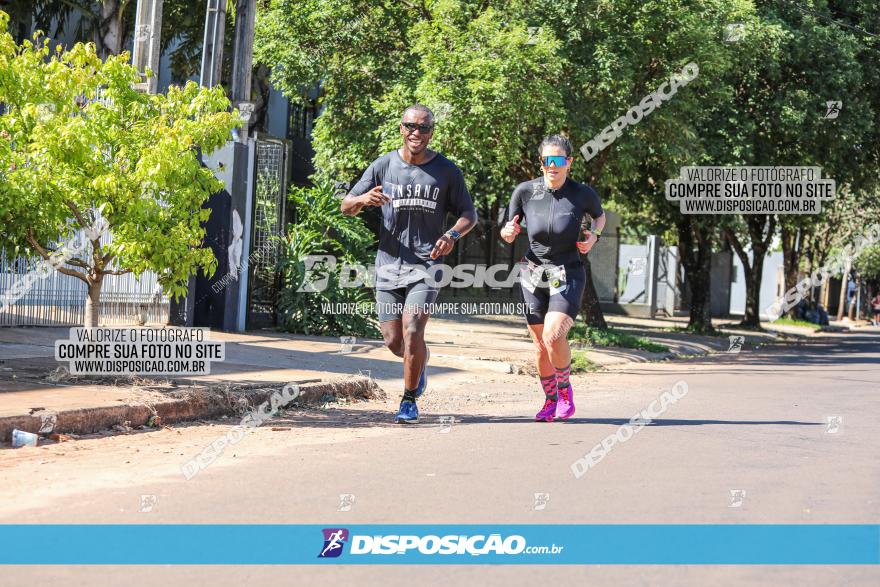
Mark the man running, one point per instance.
(553, 279)
(415, 188)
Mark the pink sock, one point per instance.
(562, 376)
(549, 385)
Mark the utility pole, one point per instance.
(147, 49)
(242, 64)
(212, 51)
(229, 227)
(214, 307)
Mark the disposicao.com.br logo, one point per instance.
(452, 544)
(334, 541)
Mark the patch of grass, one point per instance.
(614, 338)
(581, 364)
(794, 322)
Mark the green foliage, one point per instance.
(76, 137)
(111, 23)
(757, 101)
(868, 263)
(183, 33)
(611, 337)
(581, 364)
(793, 322)
(494, 89)
(322, 229)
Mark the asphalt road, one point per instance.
(775, 435)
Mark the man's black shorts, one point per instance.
(392, 303)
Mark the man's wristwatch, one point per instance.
(598, 234)
(453, 234)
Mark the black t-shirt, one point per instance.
(555, 218)
(421, 195)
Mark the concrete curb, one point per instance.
(192, 404)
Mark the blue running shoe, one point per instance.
(408, 413)
(423, 378)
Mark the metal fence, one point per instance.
(55, 299)
(268, 225)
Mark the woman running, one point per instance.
(554, 208)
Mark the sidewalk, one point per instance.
(259, 363)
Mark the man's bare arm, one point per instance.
(352, 205)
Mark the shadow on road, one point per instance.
(342, 418)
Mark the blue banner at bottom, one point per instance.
(271, 544)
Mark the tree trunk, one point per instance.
(110, 35)
(760, 230)
(695, 249)
(93, 307)
(811, 266)
(843, 282)
(791, 257)
(752, 318)
(752, 273)
(590, 309)
(699, 276)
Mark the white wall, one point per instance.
(772, 262)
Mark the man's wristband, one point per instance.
(453, 234)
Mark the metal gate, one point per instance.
(50, 298)
(270, 194)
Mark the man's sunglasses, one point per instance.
(413, 127)
(555, 160)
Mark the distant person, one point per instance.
(415, 187)
(800, 310)
(821, 315)
(851, 288)
(554, 207)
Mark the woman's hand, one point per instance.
(511, 230)
(585, 246)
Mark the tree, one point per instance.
(761, 230)
(494, 89)
(493, 86)
(76, 137)
(619, 53)
(110, 25)
(778, 118)
(868, 265)
(756, 101)
(107, 23)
